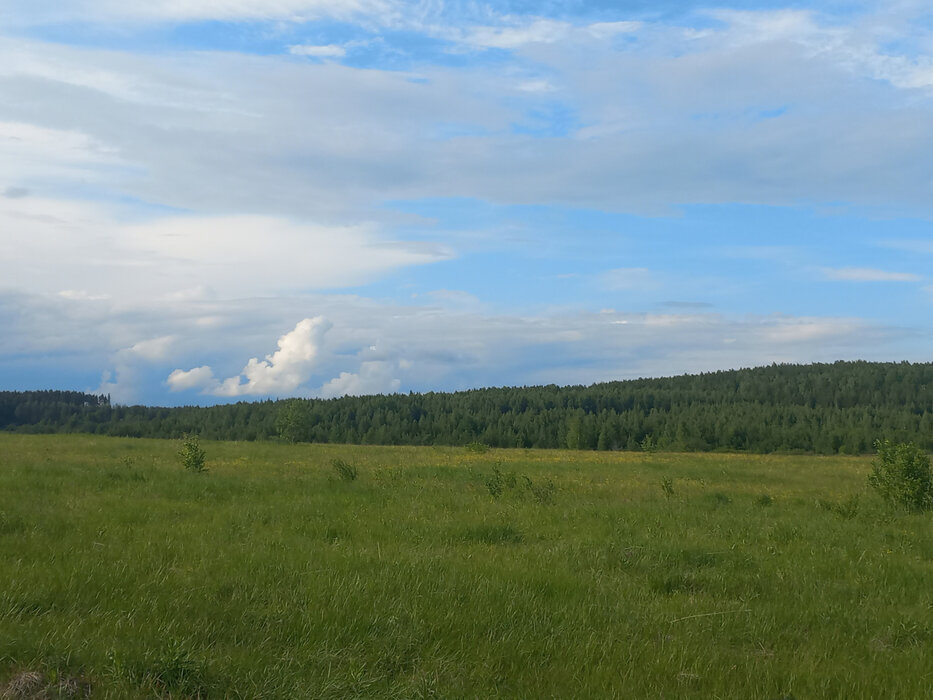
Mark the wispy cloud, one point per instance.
(868, 274)
(110, 11)
(99, 256)
(325, 51)
(923, 246)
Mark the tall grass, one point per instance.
(752, 577)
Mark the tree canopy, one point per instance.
(824, 408)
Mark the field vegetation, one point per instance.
(343, 571)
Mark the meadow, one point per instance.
(453, 573)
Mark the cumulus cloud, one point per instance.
(868, 274)
(280, 373)
(288, 367)
(374, 377)
(197, 378)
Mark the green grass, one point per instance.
(626, 575)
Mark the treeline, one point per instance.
(825, 408)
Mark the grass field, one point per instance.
(441, 572)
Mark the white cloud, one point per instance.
(538, 31)
(525, 32)
(197, 378)
(857, 47)
(186, 258)
(867, 274)
(805, 330)
(82, 295)
(606, 30)
(536, 86)
(26, 12)
(288, 367)
(278, 253)
(29, 151)
(154, 349)
(372, 378)
(325, 51)
(280, 373)
(755, 26)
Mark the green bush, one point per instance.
(648, 444)
(846, 509)
(345, 470)
(494, 484)
(901, 474)
(543, 492)
(191, 453)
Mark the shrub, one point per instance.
(648, 444)
(494, 483)
(901, 475)
(345, 470)
(543, 492)
(847, 509)
(477, 447)
(191, 453)
(667, 486)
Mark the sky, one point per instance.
(205, 201)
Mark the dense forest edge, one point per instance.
(839, 408)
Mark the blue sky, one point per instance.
(218, 200)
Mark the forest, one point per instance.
(838, 408)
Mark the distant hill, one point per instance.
(825, 408)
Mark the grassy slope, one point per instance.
(270, 577)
